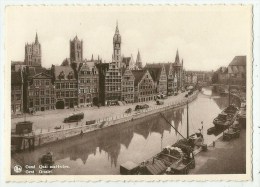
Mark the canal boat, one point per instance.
(211, 130)
(74, 117)
(140, 107)
(226, 117)
(159, 102)
(47, 159)
(90, 122)
(231, 133)
(172, 160)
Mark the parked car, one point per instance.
(159, 102)
(74, 117)
(128, 111)
(139, 107)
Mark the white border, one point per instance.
(255, 88)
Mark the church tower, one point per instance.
(33, 54)
(76, 50)
(139, 61)
(117, 47)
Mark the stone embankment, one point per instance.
(61, 134)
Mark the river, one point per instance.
(102, 151)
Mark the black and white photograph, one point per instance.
(129, 91)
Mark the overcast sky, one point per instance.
(207, 37)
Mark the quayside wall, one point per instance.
(61, 134)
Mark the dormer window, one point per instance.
(61, 75)
(70, 75)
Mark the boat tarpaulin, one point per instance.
(156, 167)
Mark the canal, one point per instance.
(102, 151)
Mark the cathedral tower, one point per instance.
(117, 47)
(33, 54)
(76, 50)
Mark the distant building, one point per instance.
(66, 86)
(76, 50)
(159, 76)
(138, 63)
(33, 54)
(16, 92)
(178, 71)
(39, 90)
(128, 86)
(144, 86)
(17, 66)
(237, 70)
(88, 84)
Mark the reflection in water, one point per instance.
(102, 151)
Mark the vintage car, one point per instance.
(74, 117)
(140, 107)
(128, 111)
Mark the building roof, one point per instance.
(63, 70)
(238, 61)
(16, 77)
(17, 63)
(159, 65)
(138, 74)
(155, 72)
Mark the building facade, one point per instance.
(113, 83)
(158, 73)
(33, 54)
(16, 92)
(237, 71)
(40, 92)
(128, 86)
(88, 84)
(66, 86)
(144, 86)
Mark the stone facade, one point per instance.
(159, 76)
(66, 86)
(128, 86)
(88, 84)
(113, 83)
(144, 86)
(40, 92)
(16, 92)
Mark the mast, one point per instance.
(187, 119)
(228, 89)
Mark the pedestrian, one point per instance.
(213, 144)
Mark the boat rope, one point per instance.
(172, 125)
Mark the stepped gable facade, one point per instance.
(144, 86)
(128, 86)
(159, 76)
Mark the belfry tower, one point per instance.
(117, 47)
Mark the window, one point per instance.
(58, 85)
(37, 82)
(67, 93)
(81, 80)
(42, 82)
(37, 101)
(18, 96)
(67, 85)
(71, 85)
(47, 100)
(47, 92)
(42, 101)
(42, 92)
(62, 93)
(47, 82)
(52, 100)
(62, 85)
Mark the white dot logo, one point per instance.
(17, 169)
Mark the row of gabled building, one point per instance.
(81, 82)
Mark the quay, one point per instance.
(42, 138)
